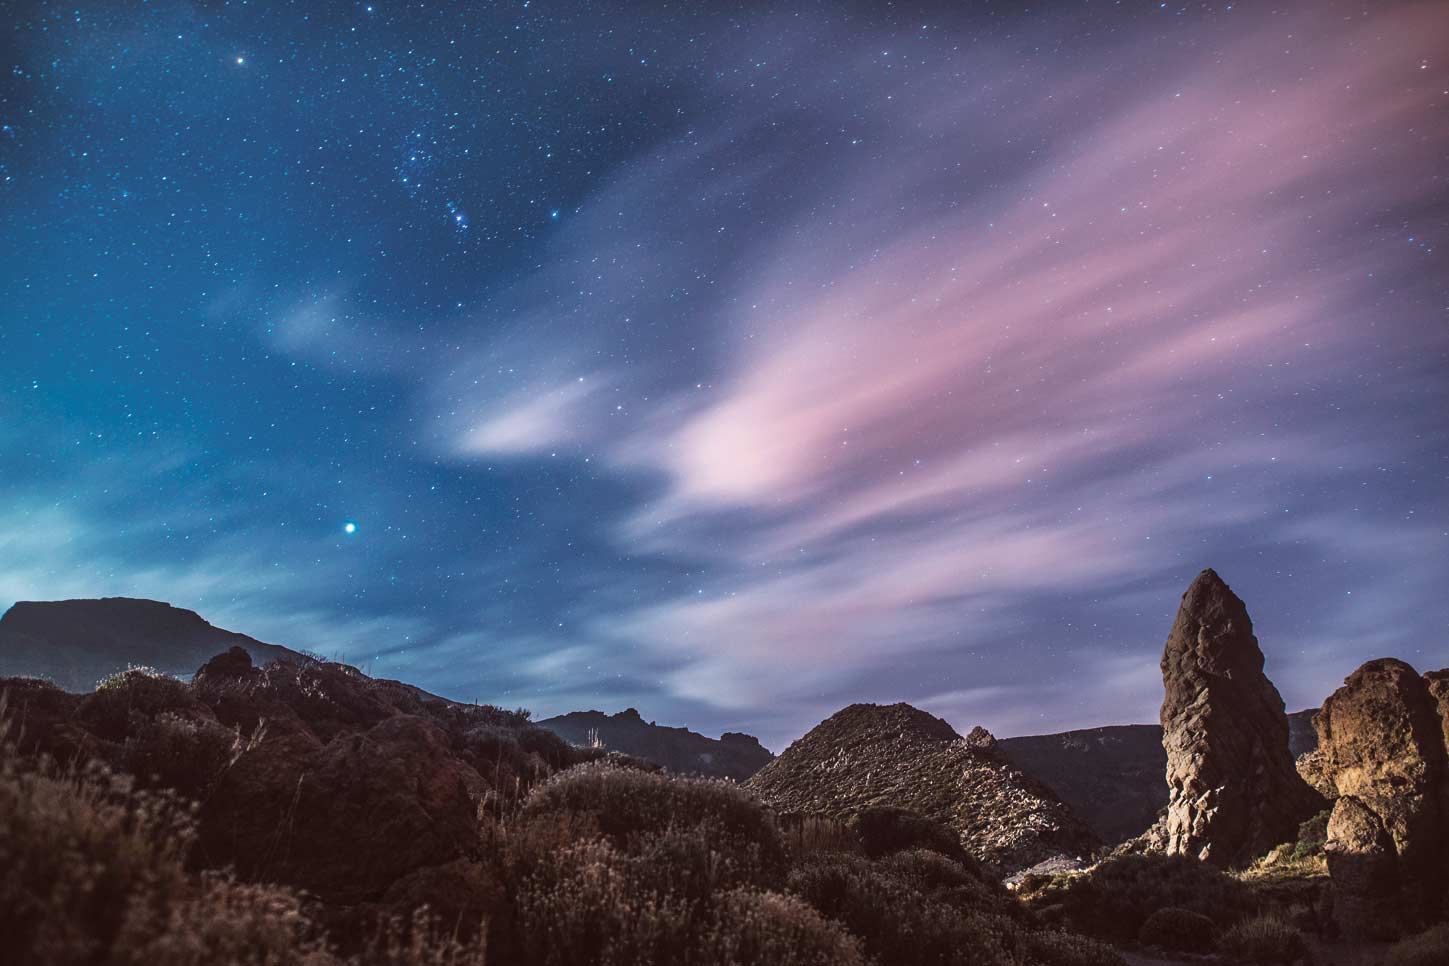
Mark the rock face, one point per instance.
(77, 643)
(1381, 743)
(870, 755)
(1233, 791)
(735, 756)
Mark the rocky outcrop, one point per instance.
(868, 756)
(77, 643)
(1381, 743)
(1233, 791)
(734, 755)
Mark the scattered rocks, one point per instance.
(870, 755)
(1233, 792)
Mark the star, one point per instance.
(349, 527)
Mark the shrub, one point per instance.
(185, 754)
(959, 886)
(812, 832)
(227, 922)
(1052, 948)
(1178, 929)
(897, 923)
(1426, 949)
(137, 692)
(85, 856)
(1113, 900)
(883, 830)
(769, 929)
(1264, 939)
(590, 903)
(629, 803)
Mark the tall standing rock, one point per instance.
(1382, 743)
(1233, 792)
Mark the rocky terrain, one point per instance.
(1382, 750)
(77, 643)
(1233, 790)
(733, 755)
(1113, 776)
(895, 755)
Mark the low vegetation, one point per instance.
(1116, 900)
(574, 857)
(1267, 939)
(1429, 948)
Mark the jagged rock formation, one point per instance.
(1382, 745)
(77, 643)
(734, 755)
(896, 755)
(1233, 791)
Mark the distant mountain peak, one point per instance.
(733, 755)
(77, 643)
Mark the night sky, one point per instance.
(735, 362)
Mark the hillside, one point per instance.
(77, 643)
(896, 755)
(345, 821)
(733, 755)
(1114, 777)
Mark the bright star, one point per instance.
(349, 527)
(241, 60)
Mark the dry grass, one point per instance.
(1264, 939)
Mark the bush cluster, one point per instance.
(1268, 940)
(1429, 948)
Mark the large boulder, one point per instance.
(1233, 791)
(1367, 901)
(1382, 744)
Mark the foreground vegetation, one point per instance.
(599, 862)
(309, 815)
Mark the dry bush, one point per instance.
(1429, 948)
(1113, 900)
(1177, 929)
(86, 858)
(961, 886)
(812, 832)
(895, 921)
(1053, 948)
(138, 692)
(233, 923)
(886, 829)
(185, 754)
(769, 929)
(1264, 939)
(628, 803)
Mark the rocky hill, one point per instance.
(896, 755)
(733, 755)
(1113, 776)
(77, 643)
